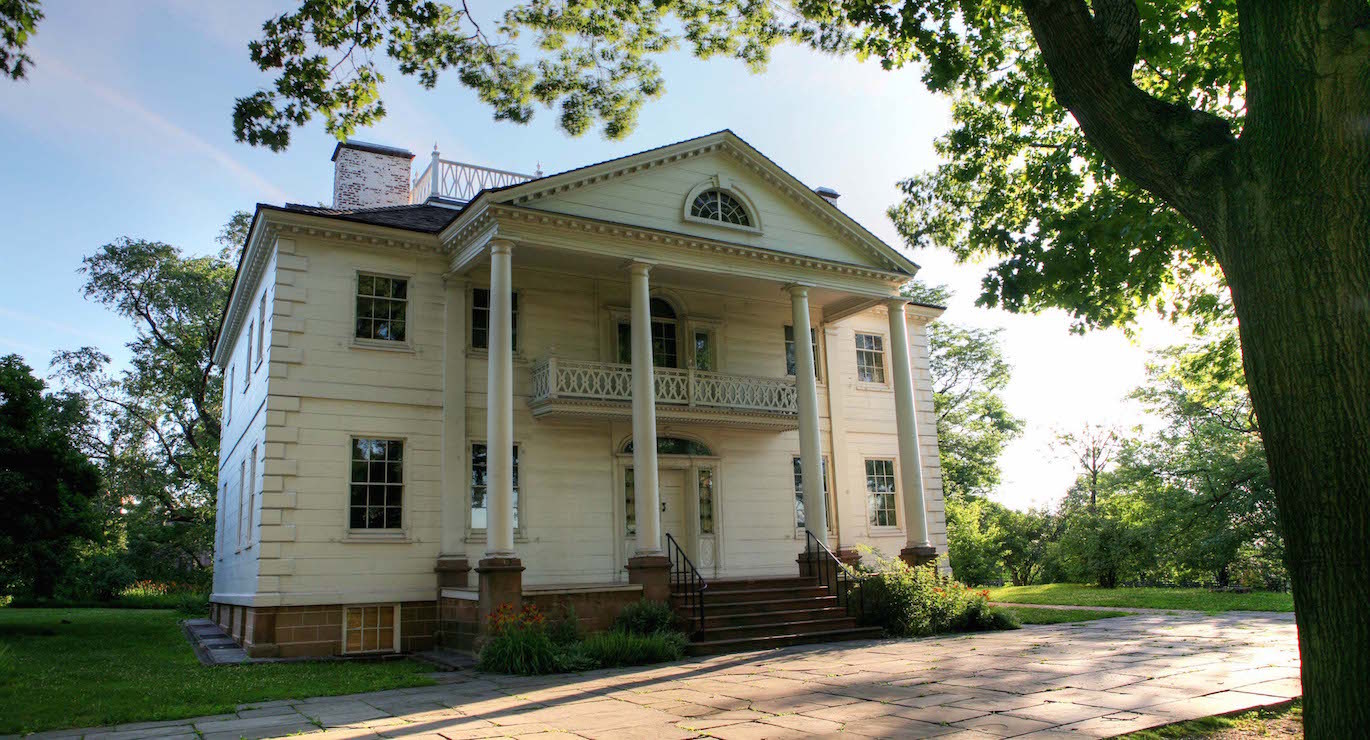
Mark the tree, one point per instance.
(155, 426)
(1092, 448)
(48, 489)
(1112, 157)
(1026, 539)
(18, 20)
(975, 540)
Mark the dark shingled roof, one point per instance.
(425, 218)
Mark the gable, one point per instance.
(790, 218)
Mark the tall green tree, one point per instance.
(155, 425)
(1110, 156)
(49, 490)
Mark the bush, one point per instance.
(617, 648)
(99, 576)
(916, 602)
(566, 630)
(518, 643)
(645, 618)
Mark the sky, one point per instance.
(124, 128)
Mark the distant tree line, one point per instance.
(111, 478)
(1188, 503)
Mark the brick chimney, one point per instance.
(370, 175)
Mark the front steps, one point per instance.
(760, 613)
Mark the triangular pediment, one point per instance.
(653, 190)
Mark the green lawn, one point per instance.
(84, 667)
(1074, 594)
(1281, 720)
(1029, 615)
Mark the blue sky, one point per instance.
(124, 128)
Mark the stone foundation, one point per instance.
(316, 631)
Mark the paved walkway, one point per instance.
(1088, 679)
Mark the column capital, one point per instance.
(896, 303)
(501, 246)
(797, 290)
(639, 266)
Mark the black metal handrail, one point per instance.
(686, 581)
(832, 573)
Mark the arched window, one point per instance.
(716, 205)
(665, 338)
(675, 446)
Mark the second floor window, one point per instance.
(382, 307)
(790, 367)
(480, 503)
(480, 318)
(377, 496)
(870, 358)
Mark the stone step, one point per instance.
(756, 594)
(714, 633)
(715, 647)
(745, 584)
(712, 619)
(765, 606)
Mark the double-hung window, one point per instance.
(799, 519)
(480, 504)
(247, 363)
(261, 330)
(870, 358)
(880, 493)
(382, 308)
(377, 496)
(790, 366)
(480, 318)
(251, 493)
(242, 504)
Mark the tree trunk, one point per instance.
(1296, 253)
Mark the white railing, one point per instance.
(459, 181)
(557, 378)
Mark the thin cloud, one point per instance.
(161, 125)
(32, 320)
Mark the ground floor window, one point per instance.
(799, 521)
(480, 512)
(880, 493)
(369, 629)
(377, 500)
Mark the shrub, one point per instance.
(916, 602)
(566, 630)
(518, 643)
(99, 576)
(617, 648)
(645, 618)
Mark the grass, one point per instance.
(1253, 724)
(1199, 599)
(85, 667)
(1029, 615)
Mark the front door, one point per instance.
(671, 483)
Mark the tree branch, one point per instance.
(1175, 152)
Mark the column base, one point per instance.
(501, 583)
(653, 573)
(918, 555)
(453, 572)
(849, 556)
(809, 563)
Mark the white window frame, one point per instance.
(895, 493)
(395, 641)
(884, 359)
(817, 353)
(474, 534)
(471, 319)
(251, 496)
(405, 344)
(380, 534)
(261, 330)
(247, 363)
(242, 484)
(828, 494)
(725, 185)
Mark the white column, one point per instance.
(906, 419)
(645, 491)
(810, 451)
(499, 423)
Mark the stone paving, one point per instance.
(1088, 679)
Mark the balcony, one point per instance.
(459, 181)
(564, 387)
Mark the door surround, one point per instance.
(705, 549)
